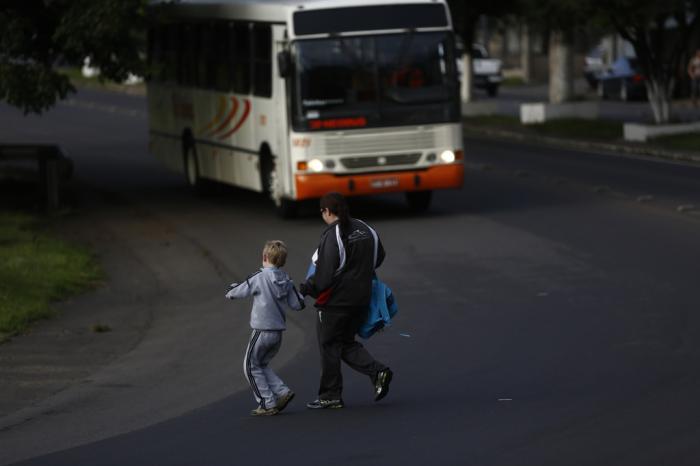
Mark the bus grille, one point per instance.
(387, 160)
(377, 143)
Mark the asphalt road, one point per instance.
(548, 316)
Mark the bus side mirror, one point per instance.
(284, 63)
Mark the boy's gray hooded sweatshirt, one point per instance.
(272, 291)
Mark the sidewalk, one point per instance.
(507, 105)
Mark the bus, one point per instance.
(297, 98)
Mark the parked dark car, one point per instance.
(622, 80)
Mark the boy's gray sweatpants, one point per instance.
(266, 385)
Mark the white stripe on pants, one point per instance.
(266, 385)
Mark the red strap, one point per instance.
(324, 296)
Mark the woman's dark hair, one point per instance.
(337, 205)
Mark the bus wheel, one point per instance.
(268, 175)
(285, 208)
(192, 168)
(419, 201)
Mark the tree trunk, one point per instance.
(467, 90)
(659, 95)
(561, 68)
(525, 53)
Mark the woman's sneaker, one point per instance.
(381, 385)
(284, 400)
(260, 411)
(325, 404)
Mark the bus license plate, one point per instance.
(385, 183)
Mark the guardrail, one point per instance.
(52, 163)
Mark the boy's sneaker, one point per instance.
(325, 404)
(381, 385)
(284, 400)
(260, 411)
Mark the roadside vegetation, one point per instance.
(36, 270)
(685, 142)
(568, 128)
(581, 130)
(79, 81)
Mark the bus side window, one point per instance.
(206, 57)
(241, 57)
(221, 60)
(155, 59)
(171, 53)
(187, 75)
(262, 69)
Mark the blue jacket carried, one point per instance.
(382, 308)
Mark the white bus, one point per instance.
(296, 98)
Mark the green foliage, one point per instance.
(466, 13)
(660, 32)
(36, 35)
(36, 269)
(686, 142)
(563, 15)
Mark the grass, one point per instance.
(684, 142)
(570, 128)
(513, 81)
(36, 270)
(500, 121)
(599, 130)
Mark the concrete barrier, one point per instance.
(539, 112)
(642, 133)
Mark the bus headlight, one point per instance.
(315, 165)
(448, 156)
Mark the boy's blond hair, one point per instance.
(276, 252)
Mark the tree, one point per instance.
(562, 19)
(660, 32)
(37, 35)
(465, 15)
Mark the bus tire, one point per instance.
(191, 165)
(268, 176)
(419, 201)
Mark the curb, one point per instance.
(622, 149)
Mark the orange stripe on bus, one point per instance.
(219, 114)
(311, 186)
(223, 125)
(244, 117)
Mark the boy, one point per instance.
(272, 291)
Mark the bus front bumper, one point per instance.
(312, 186)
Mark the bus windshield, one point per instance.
(380, 80)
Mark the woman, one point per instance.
(347, 255)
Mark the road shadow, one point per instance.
(384, 206)
(485, 192)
